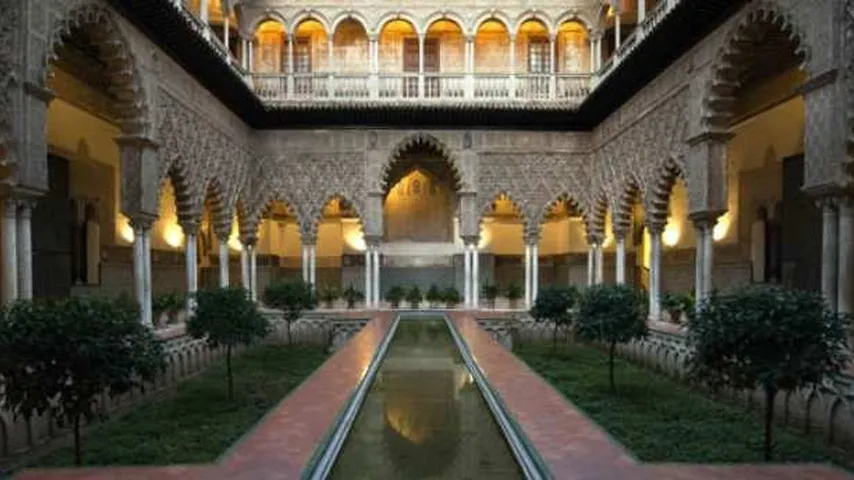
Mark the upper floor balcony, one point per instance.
(539, 59)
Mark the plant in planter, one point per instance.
(676, 304)
(166, 308)
(554, 304)
(395, 295)
(62, 356)
(611, 314)
(413, 296)
(227, 317)
(434, 296)
(489, 293)
(328, 295)
(352, 296)
(292, 297)
(514, 293)
(766, 337)
(451, 297)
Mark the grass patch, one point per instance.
(661, 420)
(196, 423)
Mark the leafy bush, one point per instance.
(434, 296)
(489, 293)
(292, 297)
(395, 295)
(514, 293)
(413, 296)
(328, 295)
(61, 356)
(351, 296)
(676, 304)
(169, 304)
(227, 317)
(766, 337)
(611, 314)
(554, 304)
(451, 296)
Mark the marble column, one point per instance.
(312, 266)
(223, 263)
(376, 276)
(845, 282)
(142, 268)
(600, 267)
(10, 251)
(708, 257)
(621, 259)
(527, 275)
(617, 33)
(475, 276)
(25, 250)
(305, 262)
(191, 264)
(641, 11)
(655, 272)
(467, 276)
(829, 250)
(244, 266)
(590, 266)
(698, 264)
(369, 296)
(535, 272)
(253, 273)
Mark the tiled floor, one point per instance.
(573, 446)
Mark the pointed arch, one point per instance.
(93, 19)
(572, 201)
(487, 205)
(657, 199)
(313, 218)
(760, 19)
(420, 141)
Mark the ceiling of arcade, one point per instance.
(640, 147)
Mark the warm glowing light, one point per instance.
(356, 240)
(721, 229)
(607, 241)
(671, 234)
(126, 231)
(173, 236)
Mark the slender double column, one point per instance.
(704, 224)
(142, 267)
(829, 250)
(837, 252)
(249, 268)
(309, 264)
(369, 275)
(655, 270)
(190, 230)
(845, 280)
(223, 261)
(467, 267)
(620, 258)
(532, 270)
(10, 251)
(471, 282)
(376, 276)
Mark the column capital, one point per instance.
(471, 240)
(656, 227)
(189, 226)
(373, 241)
(595, 239)
(827, 202)
(705, 219)
(714, 136)
(470, 38)
(532, 238)
(141, 222)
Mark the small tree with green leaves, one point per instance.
(61, 356)
(434, 296)
(291, 297)
(554, 304)
(489, 293)
(451, 297)
(611, 314)
(395, 295)
(514, 293)
(351, 296)
(227, 317)
(413, 296)
(676, 304)
(766, 337)
(168, 304)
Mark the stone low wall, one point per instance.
(827, 409)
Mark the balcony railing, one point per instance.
(562, 89)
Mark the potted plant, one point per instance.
(328, 295)
(451, 296)
(413, 296)
(166, 308)
(489, 293)
(351, 296)
(514, 293)
(395, 295)
(675, 305)
(292, 297)
(434, 296)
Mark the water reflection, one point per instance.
(424, 417)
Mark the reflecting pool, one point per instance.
(424, 417)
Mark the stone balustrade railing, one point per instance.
(563, 90)
(827, 408)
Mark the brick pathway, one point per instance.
(573, 446)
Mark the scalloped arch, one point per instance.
(657, 198)
(565, 196)
(422, 140)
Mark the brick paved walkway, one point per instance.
(574, 447)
